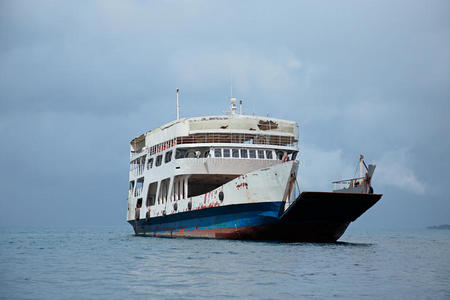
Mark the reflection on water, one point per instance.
(111, 262)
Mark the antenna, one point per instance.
(178, 106)
(231, 85)
(240, 107)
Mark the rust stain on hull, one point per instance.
(312, 232)
(313, 217)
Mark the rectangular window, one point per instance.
(261, 154)
(180, 153)
(252, 153)
(269, 154)
(131, 187)
(151, 194)
(280, 154)
(158, 160)
(217, 152)
(168, 156)
(150, 163)
(226, 152)
(139, 203)
(164, 191)
(235, 153)
(244, 153)
(139, 186)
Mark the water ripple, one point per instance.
(110, 262)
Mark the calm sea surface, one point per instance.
(110, 262)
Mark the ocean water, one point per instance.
(112, 263)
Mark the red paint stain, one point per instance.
(243, 184)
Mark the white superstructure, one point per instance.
(185, 164)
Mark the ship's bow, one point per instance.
(324, 216)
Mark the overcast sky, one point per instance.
(80, 79)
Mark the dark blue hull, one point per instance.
(215, 222)
(314, 216)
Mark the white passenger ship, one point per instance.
(231, 176)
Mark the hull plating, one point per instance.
(262, 221)
(214, 222)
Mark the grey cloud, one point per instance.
(79, 80)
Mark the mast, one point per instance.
(233, 106)
(178, 106)
(361, 161)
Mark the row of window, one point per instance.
(179, 191)
(243, 153)
(217, 152)
(167, 158)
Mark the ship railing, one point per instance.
(137, 166)
(220, 138)
(134, 154)
(136, 172)
(347, 183)
(238, 138)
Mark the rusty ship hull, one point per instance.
(312, 217)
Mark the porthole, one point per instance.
(221, 196)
